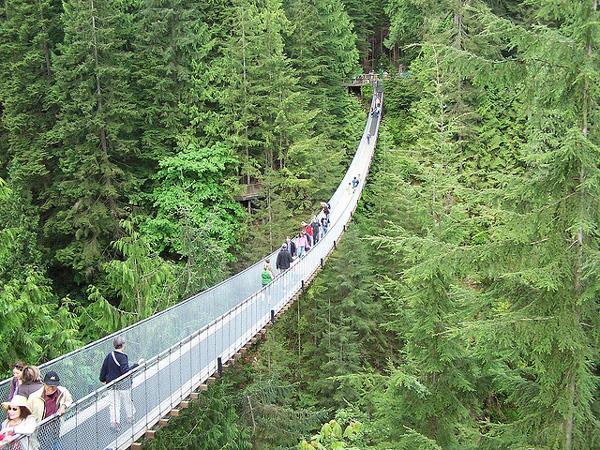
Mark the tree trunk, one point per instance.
(579, 260)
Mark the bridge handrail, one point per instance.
(89, 409)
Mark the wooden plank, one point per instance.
(203, 388)
(150, 434)
(136, 446)
(163, 423)
(174, 412)
(184, 404)
(194, 395)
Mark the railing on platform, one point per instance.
(185, 344)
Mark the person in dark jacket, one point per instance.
(326, 208)
(315, 229)
(284, 259)
(324, 226)
(291, 246)
(114, 366)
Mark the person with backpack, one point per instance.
(114, 366)
(291, 246)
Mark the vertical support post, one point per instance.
(334, 245)
(219, 366)
(170, 379)
(272, 316)
(145, 395)
(302, 285)
(321, 263)
(96, 415)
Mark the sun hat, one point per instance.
(18, 400)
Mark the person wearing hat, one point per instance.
(115, 365)
(19, 423)
(52, 398)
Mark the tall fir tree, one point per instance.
(29, 34)
(95, 134)
(542, 263)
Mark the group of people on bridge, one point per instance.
(308, 235)
(32, 399)
(295, 248)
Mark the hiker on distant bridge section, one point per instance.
(355, 182)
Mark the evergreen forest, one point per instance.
(460, 309)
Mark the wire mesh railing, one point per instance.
(185, 344)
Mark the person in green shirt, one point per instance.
(267, 273)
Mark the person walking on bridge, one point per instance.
(302, 242)
(309, 234)
(284, 259)
(355, 182)
(267, 274)
(115, 365)
(291, 247)
(315, 229)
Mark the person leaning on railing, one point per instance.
(19, 424)
(49, 400)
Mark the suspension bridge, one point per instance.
(186, 345)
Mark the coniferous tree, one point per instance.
(170, 43)
(542, 263)
(28, 36)
(432, 391)
(323, 51)
(95, 132)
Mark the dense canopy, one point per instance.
(461, 309)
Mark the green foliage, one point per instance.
(94, 132)
(137, 286)
(29, 31)
(333, 437)
(37, 326)
(208, 425)
(195, 190)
